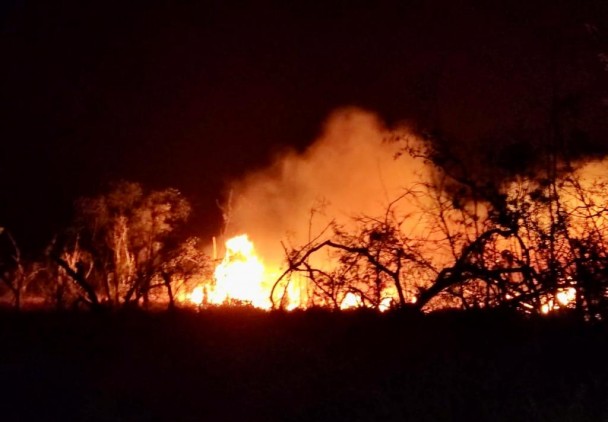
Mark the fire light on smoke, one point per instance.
(351, 171)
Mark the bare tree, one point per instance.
(15, 273)
(369, 264)
(125, 245)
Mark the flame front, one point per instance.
(562, 299)
(240, 276)
(197, 296)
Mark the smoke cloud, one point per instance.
(349, 170)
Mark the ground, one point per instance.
(245, 365)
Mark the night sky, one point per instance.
(193, 94)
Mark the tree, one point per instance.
(538, 240)
(183, 267)
(127, 240)
(15, 273)
(369, 264)
(533, 244)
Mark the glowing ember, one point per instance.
(240, 276)
(566, 296)
(563, 298)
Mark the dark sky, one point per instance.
(193, 94)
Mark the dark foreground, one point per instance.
(244, 365)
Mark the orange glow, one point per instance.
(197, 296)
(298, 203)
(566, 296)
(350, 301)
(240, 276)
(562, 299)
(385, 304)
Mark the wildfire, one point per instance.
(197, 296)
(566, 296)
(242, 278)
(350, 301)
(562, 298)
(239, 278)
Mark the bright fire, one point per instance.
(197, 296)
(562, 299)
(242, 278)
(299, 197)
(239, 278)
(350, 301)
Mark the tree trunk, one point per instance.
(78, 277)
(167, 281)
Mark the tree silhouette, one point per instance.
(15, 272)
(127, 239)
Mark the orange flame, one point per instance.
(350, 301)
(240, 276)
(562, 299)
(197, 296)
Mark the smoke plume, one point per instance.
(349, 170)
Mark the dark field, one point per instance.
(240, 364)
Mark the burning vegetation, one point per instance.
(366, 217)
